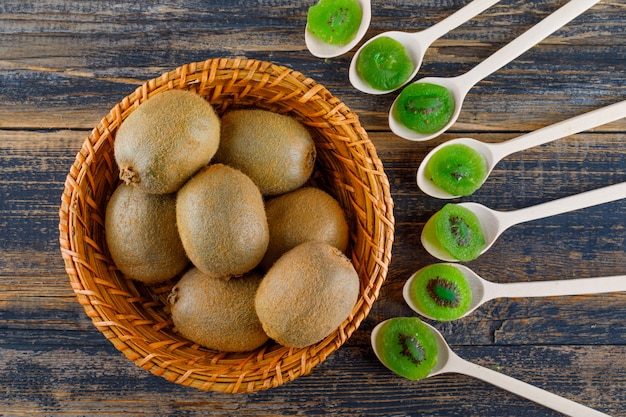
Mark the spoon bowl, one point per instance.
(417, 43)
(494, 152)
(443, 350)
(429, 187)
(489, 221)
(450, 362)
(484, 291)
(321, 49)
(415, 50)
(459, 86)
(476, 283)
(494, 223)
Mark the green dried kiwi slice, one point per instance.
(384, 64)
(335, 22)
(441, 292)
(457, 169)
(459, 232)
(408, 347)
(424, 107)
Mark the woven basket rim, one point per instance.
(132, 316)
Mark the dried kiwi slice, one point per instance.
(424, 108)
(407, 347)
(459, 232)
(457, 169)
(335, 22)
(384, 64)
(441, 292)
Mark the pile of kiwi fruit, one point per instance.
(224, 210)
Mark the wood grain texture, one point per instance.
(107, 48)
(64, 64)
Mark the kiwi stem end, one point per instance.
(128, 175)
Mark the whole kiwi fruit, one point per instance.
(307, 294)
(275, 150)
(141, 235)
(217, 313)
(307, 213)
(168, 138)
(221, 220)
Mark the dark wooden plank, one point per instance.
(101, 62)
(63, 382)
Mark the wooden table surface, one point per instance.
(65, 63)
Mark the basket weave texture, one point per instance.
(135, 317)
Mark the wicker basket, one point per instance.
(134, 317)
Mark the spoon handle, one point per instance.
(523, 389)
(525, 41)
(562, 129)
(474, 8)
(577, 286)
(563, 205)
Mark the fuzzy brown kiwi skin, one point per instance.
(307, 294)
(307, 213)
(218, 313)
(275, 150)
(142, 236)
(166, 140)
(221, 221)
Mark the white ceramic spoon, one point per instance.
(450, 362)
(417, 43)
(494, 152)
(321, 49)
(483, 290)
(495, 222)
(460, 85)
